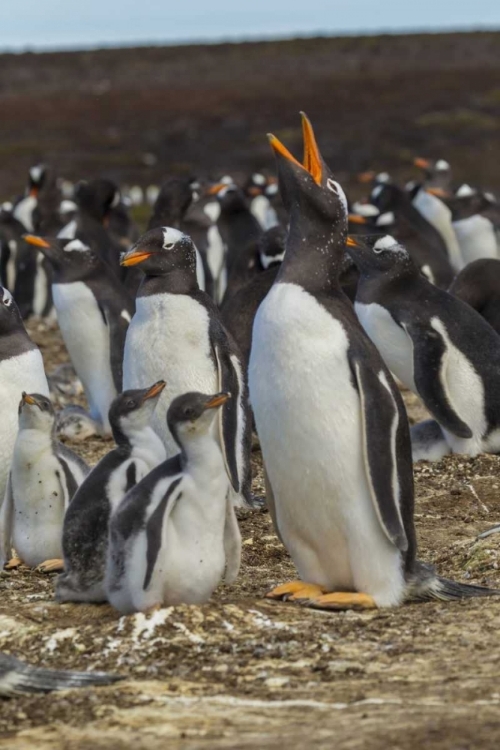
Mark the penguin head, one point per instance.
(271, 246)
(309, 186)
(70, 255)
(36, 413)
(36, 178)
(230, 197)
(131, 411)
(192, 414)
(161, 251)
(437, 175)
(377, 253)
(97, 197)
(10, 317)
(174, 199)
(256, 184)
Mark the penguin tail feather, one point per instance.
(18, 677)
(424, 585)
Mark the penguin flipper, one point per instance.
(18, 677)
(232, 542)
(6, 514)
(117, 326)
(230, 415)
(429, 370)
(381, 449)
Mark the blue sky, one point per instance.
(49, 24)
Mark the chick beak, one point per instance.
(27, 399)
(217, 400)
(155, 390)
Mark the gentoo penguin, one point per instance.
(21, 368)
(238, 312)
(11, 232)
(175, 535)
(260, 205)
(438, 347)
(94, 311)
(169, 210)
(85, 531)
(17, 677)
(427, 200)
(177, 333)
(331, 421)
(43, 478)
(478, 284)
(399, 217)
(476, 234)
(24, 209)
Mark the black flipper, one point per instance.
(18, 677)
(154, 528)
(231, 415)
(6, 514)
(429, 367)
(380, 417)
(118, 326)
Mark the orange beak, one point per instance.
(27, 399)
(356, 219)
(366, 177)
(421, 163)
(155, 390)
(216, 188)
(217, 400)
(32, 239)
(438, 192)
(312, 159)
(34, 192)
(351, 242)
(135, 257)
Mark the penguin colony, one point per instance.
(275, 306)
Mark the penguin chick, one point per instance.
(44, 476)
(436, 345)
(176, 532)
(85, 531)
(93, 311)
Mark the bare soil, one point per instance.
(245, 672)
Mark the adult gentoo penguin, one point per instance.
(177, 333)
(17, 677)
(438, 347)
(21, 368)
(93, 311)
(85, 530)
(175, 535)
(478, 284)
(332, 426)
(43, 478)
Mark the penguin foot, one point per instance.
(296, 591)
(13, 563)
(49, 566)
(340, 600)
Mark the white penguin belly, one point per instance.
(439, 215)
(168, 339)
(391, 340)
(39, 502)
(17, 374)
(476, 237)
(86, 336)
(308, 417)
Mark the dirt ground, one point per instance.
(244, 672)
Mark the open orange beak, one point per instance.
(421, 163)
(135, 257)
(217, 400)
(312, 159)
(33, 239)
(155, 390)
(357, 219)
(351, 242)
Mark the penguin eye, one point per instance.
(169, 246)
(130, 404)
(189, 413)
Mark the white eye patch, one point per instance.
(464, 191)
(385, 219)
(36, 173)
(258, 179)
(266, 260)
(76, 246)
(383, 177)
(442, 165)
(272, 189)
(335, 188)
(384, 243)
(170, 237)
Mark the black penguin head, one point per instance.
(36, 413)
(131, 411)
(257, 184)
(379, 253)
(230, 197)
(70, 256)
(469, 201)
(437, 175)
(271, 246)
(161, 251)
(36, 178)
(309, 187)
(174, 199)
(10, 317)
(96, 198)
(192, 414)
